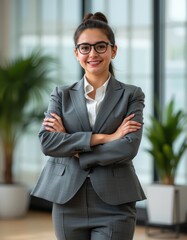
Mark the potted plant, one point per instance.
(168, 142)
(23, 81)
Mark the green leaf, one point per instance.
(24, 81)
(164, 135)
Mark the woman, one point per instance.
(92, 131)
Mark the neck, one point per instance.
(96, 80)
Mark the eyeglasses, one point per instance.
(99, 47)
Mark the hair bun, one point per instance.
(96, 16)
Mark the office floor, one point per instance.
(38, 226)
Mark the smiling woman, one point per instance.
(92, 131)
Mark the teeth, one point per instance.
(94, 62)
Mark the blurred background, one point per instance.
(152, 53)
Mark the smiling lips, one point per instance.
(94, 62)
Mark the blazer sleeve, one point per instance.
(59, 144)
(63, 144)
(119, 151)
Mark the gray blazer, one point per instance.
(109, 165)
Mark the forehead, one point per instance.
(92, 36)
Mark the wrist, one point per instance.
(99, 139)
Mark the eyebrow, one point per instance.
(92, 43)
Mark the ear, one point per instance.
(114, 51)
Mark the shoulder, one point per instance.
(63, 89)
(129, 88)
(135, 90)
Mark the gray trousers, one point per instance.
(87, 217)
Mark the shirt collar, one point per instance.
(88, 87)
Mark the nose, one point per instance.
(92, 51)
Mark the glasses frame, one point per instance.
(94, 45)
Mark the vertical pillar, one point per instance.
(158, 55)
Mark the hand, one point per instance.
(127, 126)
(54, 123)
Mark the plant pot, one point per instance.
(166, 204)
(14, 200)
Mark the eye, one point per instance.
(84, 48)
(101, 46)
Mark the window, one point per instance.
(176, 62)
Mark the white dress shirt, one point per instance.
(93, 105)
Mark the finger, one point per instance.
(49, 124)
(52, 121)
(127, 130)
(131, 124)
(134, 123)
(52, 128)
(56, 126)
(49, 120)
(128, 118)
(49, 129)
(131, 130)
(57, 117)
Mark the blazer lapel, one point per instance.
(79, 103)
(113, 94)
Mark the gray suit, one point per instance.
(109, 165)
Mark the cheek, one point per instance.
(107, 58)
(82, 59)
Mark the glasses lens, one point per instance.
(101, 47)
(84, 48)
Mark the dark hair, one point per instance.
(97, 20)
